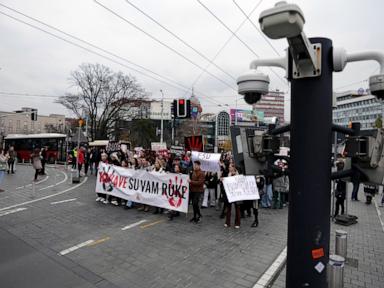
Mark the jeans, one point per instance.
(1, 175)
(211, 193)
(237, 214)
(86, 165)
(266, 200)
(195, 197)
(129, 203)
(11, 165)
(37, 171)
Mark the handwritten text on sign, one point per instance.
(165, 190)
(240, 188)
(210, 162)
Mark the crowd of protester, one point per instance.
(206, 188)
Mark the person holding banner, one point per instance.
(100, 196)
(172, 213)
(233, 172)
(260, 182)
(157, 168)
(196, 188)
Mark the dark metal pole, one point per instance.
(310, 181)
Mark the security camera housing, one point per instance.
(253, 85)
(376, 85)
(282, 21)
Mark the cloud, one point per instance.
(33, 62)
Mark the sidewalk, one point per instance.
(365, 258)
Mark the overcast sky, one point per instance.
(36, 63)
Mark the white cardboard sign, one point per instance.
(240, 187)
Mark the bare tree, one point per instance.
(103, 96)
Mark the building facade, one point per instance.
(351, 106)
(20, 122)
(272, 104)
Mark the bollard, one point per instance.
(336, 271)
(341, 243)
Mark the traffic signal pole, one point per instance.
(310, 179)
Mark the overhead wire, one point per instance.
(179, 38)
(162, 43)
(184, 88)
(226, 43)
(94, 46)
(358, 82)
(257, 29)
(235, 35)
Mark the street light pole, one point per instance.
(162, 120)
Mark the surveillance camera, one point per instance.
(252, 85)
(376, 85)
(282, 21)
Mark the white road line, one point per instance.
(133, 225)
(29, 185)
(379, 214)
(69, 250)
(63, 201)
(50, 186)
(268, 275)
(46, 197)
(12, 211)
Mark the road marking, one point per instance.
(151, 224)
(29, 185)
(63, 201)
(379, 214)
(268, 275)
(69, 250)
(98, 241)
(46, 197)
(50, 186)
(12, 211)
(133, 225)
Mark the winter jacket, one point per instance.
(211, 180)
(197, 181)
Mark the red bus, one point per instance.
(24, 145)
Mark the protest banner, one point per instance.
(176, 149)
(165, 190)
(240, 188)
(113, 146)
(158, 146)
(194, 143)
(210, 162)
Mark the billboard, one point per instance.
(246, 115)
(156, 110)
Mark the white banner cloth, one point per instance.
(165, 190)
(210, 162)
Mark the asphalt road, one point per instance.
(56, 235)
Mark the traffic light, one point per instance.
(34, 114)
(182, 108)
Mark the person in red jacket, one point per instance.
(196, 188)
(80, 159)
